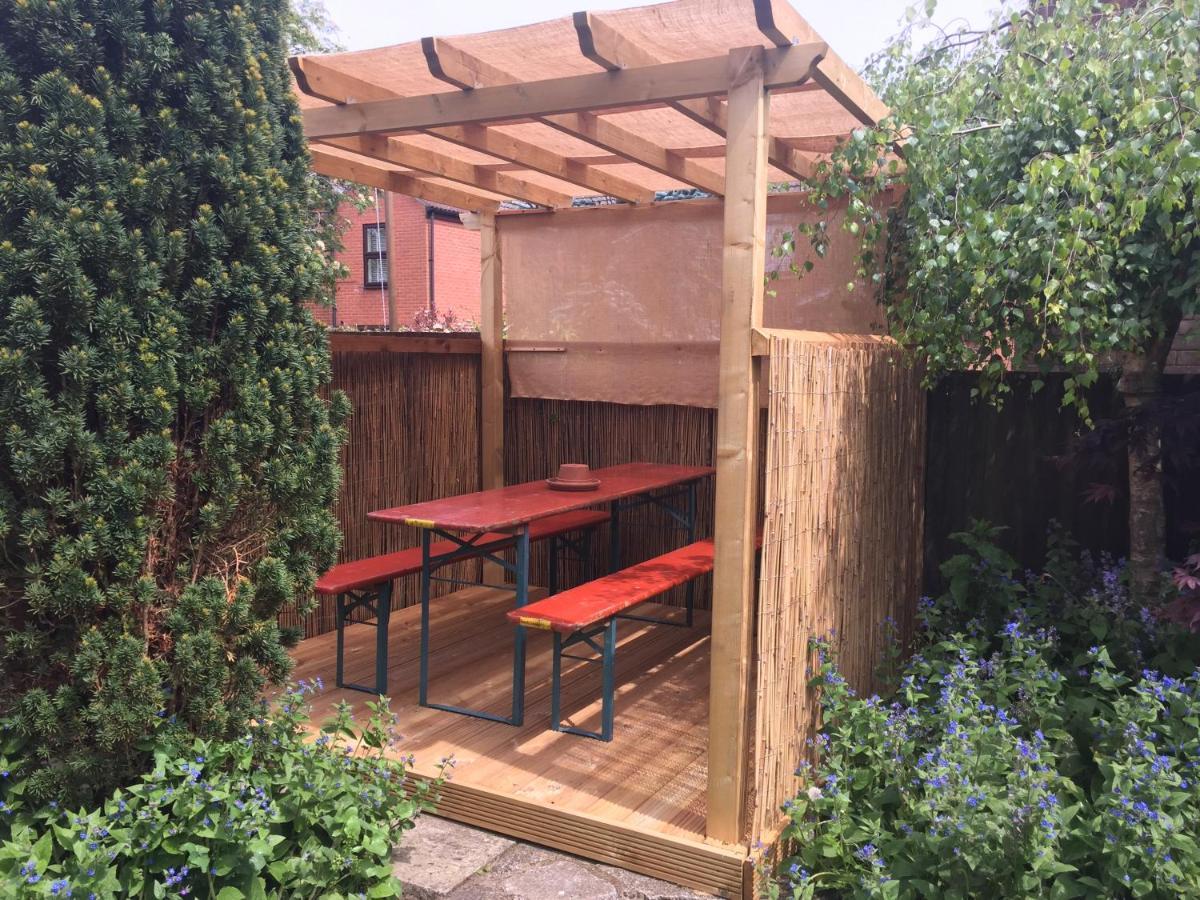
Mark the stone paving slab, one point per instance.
(442, 860)
(437, 855)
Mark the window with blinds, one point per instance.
(375, 255)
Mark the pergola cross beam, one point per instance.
(785, 68)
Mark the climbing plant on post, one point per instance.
(1050, 215)
(167, 464)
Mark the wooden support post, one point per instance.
(393, 300)
(737, 433)
(491, 396)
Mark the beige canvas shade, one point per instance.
(579, 144)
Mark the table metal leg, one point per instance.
(520, 571)
(614, 537)
(691, 532)
(518, 697)
(423, 681)
(552, 568)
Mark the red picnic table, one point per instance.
(510, 510)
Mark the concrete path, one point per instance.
(443, 860)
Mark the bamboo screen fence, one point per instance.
(842, 539)
(414, 435)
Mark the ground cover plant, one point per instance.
(270, 813)
(1043, 742)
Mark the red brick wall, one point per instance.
(456, 267)
(456, 270)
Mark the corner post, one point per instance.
(743, 273)
(491, 370)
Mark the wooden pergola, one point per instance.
(723, 96)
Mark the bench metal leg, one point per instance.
(556, 684)
(608, 657)
(339, 607)
(383, 617)
(377, 601)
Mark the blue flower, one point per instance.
(869, 853)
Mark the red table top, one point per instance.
(519, 504)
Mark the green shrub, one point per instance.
(166, 464)
(1015, 762)
(271, 813)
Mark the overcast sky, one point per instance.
(854, 28)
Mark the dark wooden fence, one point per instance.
(1007, 466)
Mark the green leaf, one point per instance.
(390, 888)
(43, 849)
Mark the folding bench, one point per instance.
(582, 614)
(367, 583)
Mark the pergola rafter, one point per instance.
(529, 155)
(606, 46)
(399, 152)
(456, 67)
(784, 27)
(317, 79)
(361, 171)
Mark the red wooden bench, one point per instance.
(581, 614)
(367, 583)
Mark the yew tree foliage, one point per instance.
(1050, 212)
(167, 465)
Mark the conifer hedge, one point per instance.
(167, 463)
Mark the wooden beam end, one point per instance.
(764, 18)
(430, 47)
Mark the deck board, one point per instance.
(637, 801)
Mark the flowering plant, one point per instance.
(270, 814)
(951, 783)
(1084, 599)
(1010, 761)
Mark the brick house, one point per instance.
(433, 259)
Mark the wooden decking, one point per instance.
(636, 802)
